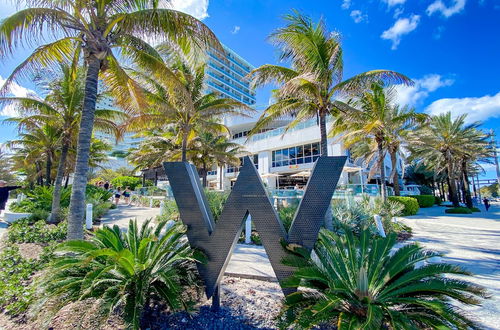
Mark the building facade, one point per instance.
(284, 159)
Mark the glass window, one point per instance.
(315, 148)
(274, 155)
(307, 159)
(292, 153)
(307, 151)
(300, 151)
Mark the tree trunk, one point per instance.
(324, 139)
(452, 184)
(184, 145)
(395, 176)
(466, 187)
(77, 204)
(383, 188)
(55, 214)
(48, 169)
(221, 179)
(204, 176)
(39, 178)
(66, 183)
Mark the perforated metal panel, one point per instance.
(249, 197)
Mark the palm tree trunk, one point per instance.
(383, 188)
(48, 169)
(77, 204)
(184, 145)
(452, 185)
(322, 129)
(221, 179)
(55, 214)
(204, 176)
(395, 176)
(465, 185)
(66, 183)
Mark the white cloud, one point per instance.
(398, 11)
(438, 6)
(346, 4)
(235, 29)
(358, 16)
(414, 95)
(196, 8)
(391, 3)
(16, 91)
(476, 108)
(401, 27)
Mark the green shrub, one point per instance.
(123, 270)
(425, 200)
(458, 210)
(410, 204)
(126, 181)
(171, 211)
(475, 209)
(15, 293)
(40, 198)
(216, 201)
(437, 200)
(286, 215)
(23, 231)
(362, 284)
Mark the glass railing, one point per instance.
(279, 131)
(230, 83)
(342, 191)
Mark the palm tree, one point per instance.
(360, 283)
(441, 143)
(38, 146)
(377, 128)
(61, 109)
(313, 87)
(174, 87)
(209, 149)
(95, 28)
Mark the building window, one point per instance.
(303, 154)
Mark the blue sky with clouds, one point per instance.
(451, 48)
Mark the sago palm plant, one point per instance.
(361, 283)
(123, 270)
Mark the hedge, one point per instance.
(410, 204)
(126, 181)
(438, 200)
(425, 200)
(458, 210)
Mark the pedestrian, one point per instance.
(126, 195)
(486, 203)
(118, 194)
(4, 194)
(106, 185)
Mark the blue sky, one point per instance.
(451, 48)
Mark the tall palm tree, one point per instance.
(174, 87)
(377, 128)
(441, 144)
(95, 28)
(60, 109)
(210, 149)
(314, 86)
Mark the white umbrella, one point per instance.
(303, 173)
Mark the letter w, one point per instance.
(249, 196)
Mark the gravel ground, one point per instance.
(246, 304)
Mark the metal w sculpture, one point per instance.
(249, 197)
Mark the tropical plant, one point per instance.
(92, 29)
(7, 172)
(313, 87)
(376, 128)
(126, 181)
(60, 110)
(425, 200)
(410, 204)
(442, 144)
(174, 87)
(123, 270)
(360, 283)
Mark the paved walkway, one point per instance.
(471, 241)
(123, 213)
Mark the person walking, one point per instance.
(126, 195)
(486, 202)
(4, 193)
(118, 194)
(106, 185)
